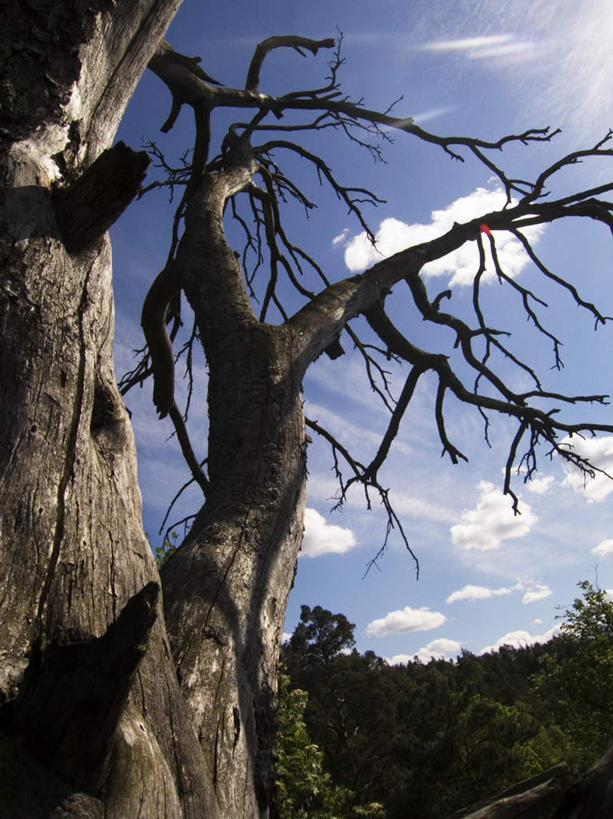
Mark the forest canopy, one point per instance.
(427, 739)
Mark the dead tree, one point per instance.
(116, 709)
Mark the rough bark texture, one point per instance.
(592, 796)
(534, 798)
(73, 553)
(93, 719)
(226, 588)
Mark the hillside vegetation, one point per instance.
(359, 737)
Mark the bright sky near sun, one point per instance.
(484, 69)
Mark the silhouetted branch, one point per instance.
(299, 44)
(317, 326)
(366, 477)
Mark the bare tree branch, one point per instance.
(317, 326)
(287, 41)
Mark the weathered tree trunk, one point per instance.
(97, 718)
(534, 798)
(226, 588)
(546, 796)
(592, 796)
(93, 718)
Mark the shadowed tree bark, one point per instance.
(91, 696)
(533, 798)
(116, 709)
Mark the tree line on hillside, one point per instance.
(361, 738)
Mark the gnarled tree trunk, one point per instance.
(93, 718)
(226, 588)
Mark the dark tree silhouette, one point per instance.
(115, 708)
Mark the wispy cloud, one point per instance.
(413, 507)
(468, 43)
(321, 537)
(349, 434)
(470, 592)
(432, 113)
(491, 521)
(338, 240)
(341, 380)
(394, 235)
(579, 78)
(561, 54)
(405, 620)
(519, 49)
(494, 46)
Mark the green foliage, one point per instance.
(168, 547)
(576, 679)
(304, 790)
(423, 740)
(300, 777)
(320, 635)
(419, 740)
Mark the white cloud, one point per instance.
(540, 486)
(406, 619)
(400, 659)
(599, 451)
(538, 592)
(604, 548)
(477, 593)
(520, 638)
(492, 521)
(461, 265)
(285, 637)
(437, 649)
(321, 537)
(535, 591)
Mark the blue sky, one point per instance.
(465, 68)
